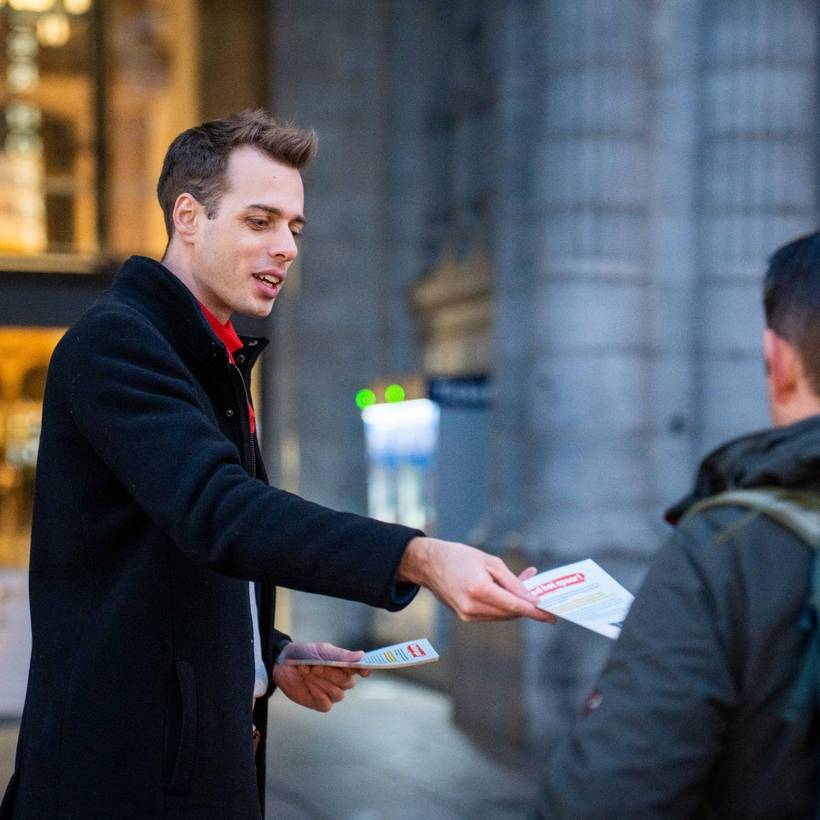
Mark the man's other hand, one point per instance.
(316, 687)
(475, 585)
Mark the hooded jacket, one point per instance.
(687, 719)
(151, 514)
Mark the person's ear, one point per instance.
(783, 367)
(186, 215)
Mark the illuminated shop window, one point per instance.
(151, 88)
(401, 441)
(24, 356)
(48, 183)
(91, 94)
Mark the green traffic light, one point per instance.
(364, 398)
(394, 393)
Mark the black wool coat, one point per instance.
(151, 515)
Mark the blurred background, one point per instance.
(527, 301)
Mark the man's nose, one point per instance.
(284, 245)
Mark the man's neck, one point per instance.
(176, 262)
(179, 265)
(784, 416)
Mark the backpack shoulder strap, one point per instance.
(796, 510)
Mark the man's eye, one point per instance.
(258, 223)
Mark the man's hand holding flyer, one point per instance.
(410, 653)
(584, 594)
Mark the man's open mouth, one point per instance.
(268, 279)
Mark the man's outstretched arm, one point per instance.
(126, 385)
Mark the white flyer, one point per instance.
(585, 594)
(411, 653)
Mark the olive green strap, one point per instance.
(795, 510)
(799, 512)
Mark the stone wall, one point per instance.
(615, 172)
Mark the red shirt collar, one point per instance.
(225, 333)
(228, 336)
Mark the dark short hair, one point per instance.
(197, 159)
(791, 300)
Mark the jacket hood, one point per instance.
(781, 457)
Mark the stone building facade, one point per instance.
(575, 197)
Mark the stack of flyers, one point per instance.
(411, 653)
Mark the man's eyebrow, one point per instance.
(276, 212)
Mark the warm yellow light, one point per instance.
(31, 5)
(22, 116)
(19, 145)
(76, 6)
(21, 45)
(22, 77)
(53, 30)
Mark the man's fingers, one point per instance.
(335, 694)
(494, 602)
(338, 676)
(324, 693)
(317, 651)
(321, 700)
(505, 593)
(529, 572)
(329, 652)
(507, 579)
(318, 700)
(327, 685)
(501, 615)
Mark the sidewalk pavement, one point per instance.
(8, 743)
(388, 752)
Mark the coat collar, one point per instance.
(786, 457)
(151, 288)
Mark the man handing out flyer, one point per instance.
(157, 541)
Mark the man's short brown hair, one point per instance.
(791, 299)
(197, 159)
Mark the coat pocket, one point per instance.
(180, 780)
(7, 806)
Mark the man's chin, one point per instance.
(257, 310)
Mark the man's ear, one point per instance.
(783, 367)
(186, 215)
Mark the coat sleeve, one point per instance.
(140, 409)
(663, 700)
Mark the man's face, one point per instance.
(241, 256)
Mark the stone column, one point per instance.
(675, 30)
(587, 421)
(518, 121)
(411, 50)
(330, 326)
(758, 189)
(487, 658)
